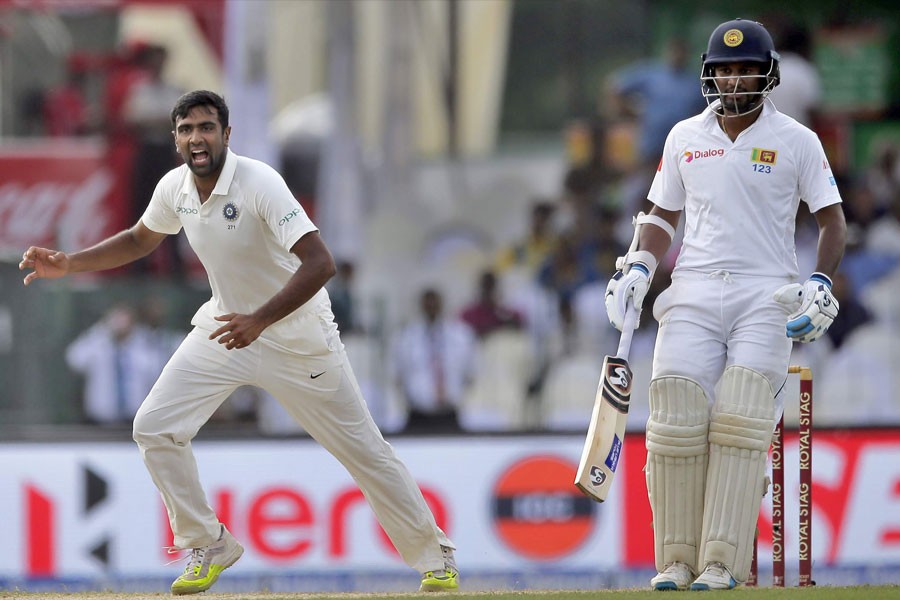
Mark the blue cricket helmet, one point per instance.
(740, 40)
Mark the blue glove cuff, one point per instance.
(646, 270)
(821, 278)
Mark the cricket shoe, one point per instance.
(207, 563)
(676, 576)
(444, 580)
(715, 576)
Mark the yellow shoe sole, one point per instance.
(439, 583)
(181, 587)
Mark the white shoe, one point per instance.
(715, 576)
(676, 576)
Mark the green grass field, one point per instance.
(764, 593)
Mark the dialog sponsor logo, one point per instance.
(692, 155)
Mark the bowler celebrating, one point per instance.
(269, 324)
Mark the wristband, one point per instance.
(821, 278)
(641, 267)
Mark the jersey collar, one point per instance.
(223, 184)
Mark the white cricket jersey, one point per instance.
(242, 234)
(740, 198)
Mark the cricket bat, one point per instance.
(603, 445)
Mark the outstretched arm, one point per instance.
(122, 248)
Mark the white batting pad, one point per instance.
(740, 432)
(676, 467)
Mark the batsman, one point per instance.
(738, 171)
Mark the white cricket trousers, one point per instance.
(330, 407)
(708, 322)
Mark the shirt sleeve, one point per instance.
(818, 187)
(667, 190)
(282, 212)
(160, 214)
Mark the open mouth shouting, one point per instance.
(200, 158)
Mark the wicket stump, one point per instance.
(804, 533)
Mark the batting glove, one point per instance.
(623, 287)
(814, 307)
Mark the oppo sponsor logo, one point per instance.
(286, 218)
(692, 155)
(184, 210)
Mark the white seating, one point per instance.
(496, 399)
(858, 383)
(568, 394)
(382, 398)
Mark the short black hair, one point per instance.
(197, 98)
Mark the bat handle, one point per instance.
(628, 326)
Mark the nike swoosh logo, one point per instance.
(314, 375)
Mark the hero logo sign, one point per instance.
(282, 523)
(276, 523)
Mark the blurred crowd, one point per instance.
(525, 352)
(123, 97)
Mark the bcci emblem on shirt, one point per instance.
(230, 212)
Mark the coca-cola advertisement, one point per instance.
(57, 195)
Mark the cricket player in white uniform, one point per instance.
(738, 171)
(269, 323)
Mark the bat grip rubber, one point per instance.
(628, 326)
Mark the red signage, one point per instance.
(57, 195)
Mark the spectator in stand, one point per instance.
(883, 237)
(487, 314)
(657, 95)
(530, 252)
(854, 313)
(119, 366)
(862, 264)
(434, 364)
(65, 107)
(161, 339)
(343, 304)
(146, 114)
(568, 269)
(126, 69)
(581, 193)
(587, 248)
(799, 94)
(883, 176)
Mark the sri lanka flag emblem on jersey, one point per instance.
(763, 156)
